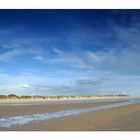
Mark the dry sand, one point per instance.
(121, 118)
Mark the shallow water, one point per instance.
(21, 120)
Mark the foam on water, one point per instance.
(21, 120)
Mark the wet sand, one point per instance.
(121, 118)
(9, 111)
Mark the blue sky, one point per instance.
(70, 52)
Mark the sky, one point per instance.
(69, 52)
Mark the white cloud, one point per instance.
(25, 86)
(56, 50)
(39, 58)
(10, 46)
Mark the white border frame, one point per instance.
(70, 4)
(70, 135)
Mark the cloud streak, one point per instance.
(83, 60)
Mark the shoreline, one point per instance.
(120, 118)
(124, 118)
(20, 110)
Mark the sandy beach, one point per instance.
(119, 118)
(8, 111)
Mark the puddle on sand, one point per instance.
(21, 120)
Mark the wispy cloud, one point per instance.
(82, 60)
(9, 56)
